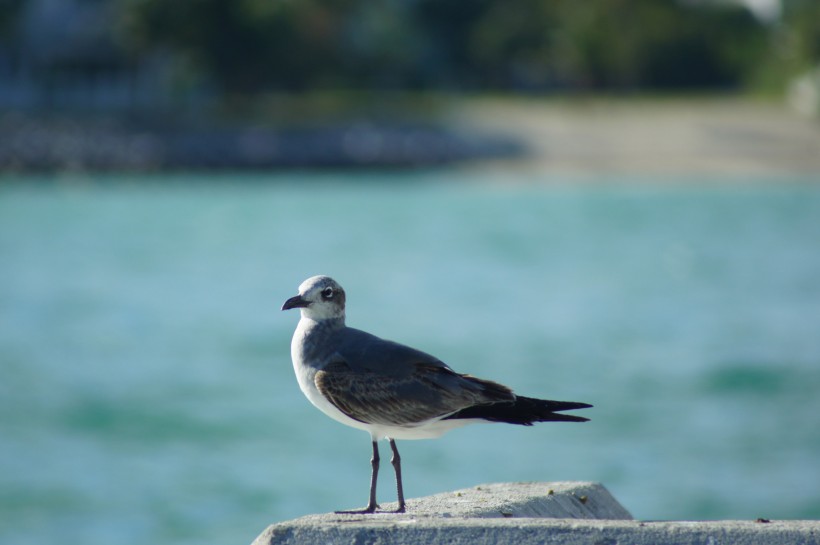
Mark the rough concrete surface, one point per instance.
(571, 513)
(575, 500)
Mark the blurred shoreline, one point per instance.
(654, 136)
(66, 143)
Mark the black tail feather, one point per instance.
(524, 411)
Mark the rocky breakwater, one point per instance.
(37, 144)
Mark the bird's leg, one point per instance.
(396, 461)
(371, 505)
(374, 476)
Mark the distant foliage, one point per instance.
(9, 12)
(249, 46)
(802, 21)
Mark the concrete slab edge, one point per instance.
(529, 531)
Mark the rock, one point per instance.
(572, 500)
(570, 513)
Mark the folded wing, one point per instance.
(425, 392)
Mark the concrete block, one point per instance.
(572, 500)
(559, 513)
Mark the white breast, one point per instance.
(305, 375)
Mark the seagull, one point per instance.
(390, 390)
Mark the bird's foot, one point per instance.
(371, 508)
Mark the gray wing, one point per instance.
(382, 382)
(363, 351)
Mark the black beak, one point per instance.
(295, 302)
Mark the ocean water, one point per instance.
(147, 394)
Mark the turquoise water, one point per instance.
(147, 394)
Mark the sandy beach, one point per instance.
(720, 136)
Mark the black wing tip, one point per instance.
(556, 409)
(555, 406)
(524, 411)
(568, 405)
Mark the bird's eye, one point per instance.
(327, 293)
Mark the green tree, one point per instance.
(621, 44)
(251, 45)
(244, 45)
(802, 19)
(9, 12)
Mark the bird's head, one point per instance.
(320, 298)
